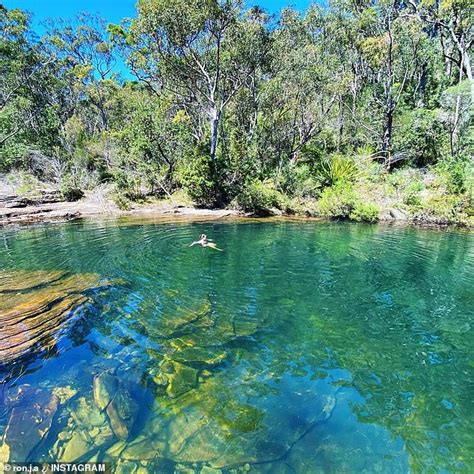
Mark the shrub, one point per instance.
(298, 181)
(195, 175)
(444, 209)
(24, 183)
(128, 185)
(69, 189)
(337, 201)
(365, 212)
(335, 169)
(260, 196)
(71, 193)
(419, 136)
(457, 174)
(411, 192)
(121, 201)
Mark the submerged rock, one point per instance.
(104, 388)
(35, 307)
(76, 447)
(181, 380)
(31, 416)
(112, 396)
(225, 426)
(64, 393)
(204, 356)
(173, 322)
(85, 414)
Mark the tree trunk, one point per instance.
(467, 65)
(215, 119)
(387, 134)
(454, 133)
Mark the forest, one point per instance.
(344, 111)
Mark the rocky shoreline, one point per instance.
(47, 206)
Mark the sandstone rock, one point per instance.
(64, 393)
(398, 214)
(86, 414)
(122, 412)
(30, 420)
(75, 448)
(31, 320)
(200, 355)
(182, 380)
(210, 470)
(104, 388)
(141, 449)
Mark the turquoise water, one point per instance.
(301, 348)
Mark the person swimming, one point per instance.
(205, 242)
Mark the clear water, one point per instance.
(302, 347)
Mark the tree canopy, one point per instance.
(226, 100)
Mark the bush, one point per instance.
(337, 201)
(411, 193)
(444, 209)
(121, 201)
(420, 135)
(335, 169)
(24, 183)
(298, 181)
(365, 212)
(260, 196)
(457, 174)
(69, 189)
(128, 185)
(195, 175)
(71, 193)
(342, 201)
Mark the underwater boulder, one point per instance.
(182, 379)
(227, 425)
(31, 415)
(104, 387)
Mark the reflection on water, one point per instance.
(300, 348)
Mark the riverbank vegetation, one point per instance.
(355, 110)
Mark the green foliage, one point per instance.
(335, 169)
(195, 174)
(343, 201)
(445, 209)
(128, 186)
(121, 201)
(229, 106)
(260, 196)
(71, 193)
(24, 183)
(456, 174)
(418, 136)
(337, 201)
(365, 212)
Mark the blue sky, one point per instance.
(113, 10)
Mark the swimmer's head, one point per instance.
(203, 237)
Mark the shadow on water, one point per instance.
(301, 348)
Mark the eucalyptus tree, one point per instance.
(301, 95)
(453, 22)
(200, 51)
(86, 59)
(28, 116)
(390, 48)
